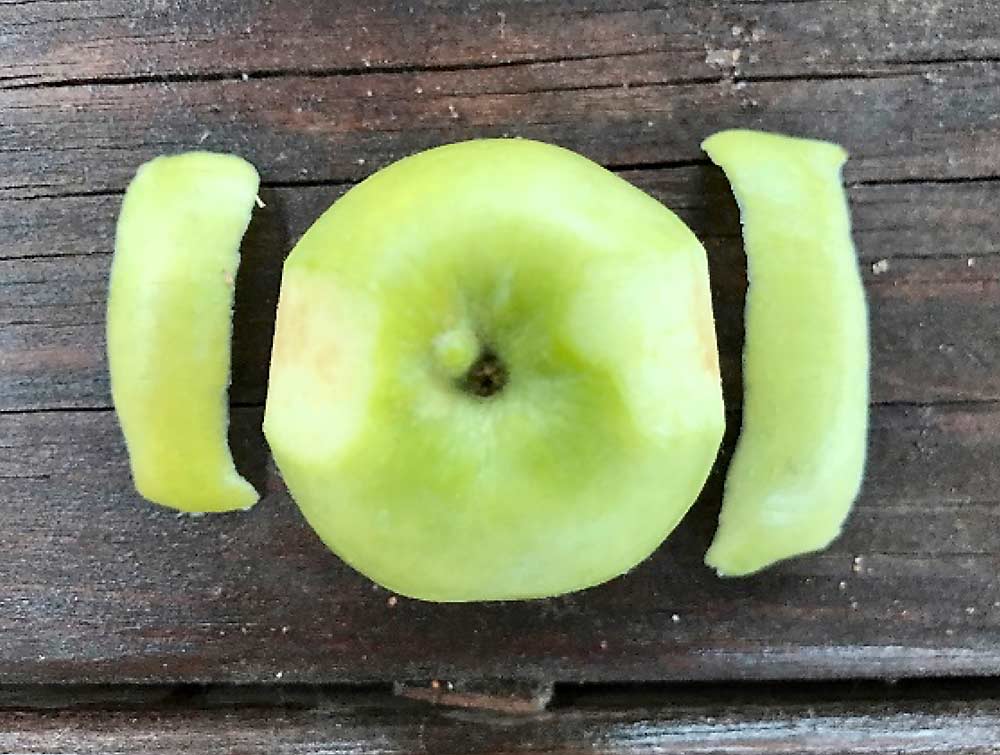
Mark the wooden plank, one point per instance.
(48, 42)
(931, 310)
(937, 124)
(894, 220)
(370, 725)
(99, 587)
(95, 586)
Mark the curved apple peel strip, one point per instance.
(170, 326)
(800, 457)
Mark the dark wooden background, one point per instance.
(130, 611)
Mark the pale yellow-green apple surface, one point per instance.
(494, 373)
(800, 456)
(170, 323)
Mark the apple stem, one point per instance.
(455, 351)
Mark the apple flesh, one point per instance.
(800, 457)
(494, 373)
(170, 324)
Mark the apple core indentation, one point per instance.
(487, 376)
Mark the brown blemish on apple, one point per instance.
(704, 323)
(303, 332)
(288, 325)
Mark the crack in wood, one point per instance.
(314, 73)
(552, 695)
(925, 180)
(657, 165)
(61, 195)
(646, 719)
(263, 74)
(974, 403)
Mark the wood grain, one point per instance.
(935, 124)
(58, 43)
(97, 586)
(370, 724)
(928, 307)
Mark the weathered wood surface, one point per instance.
(928, 308)
(637, 725)
(57, 43)
(99, 587)
(929, 122)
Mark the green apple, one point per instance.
(494, 373)
(170, 323)
(800, 457)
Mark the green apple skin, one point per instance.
(593, 296)
(170, 324)
(800, 457)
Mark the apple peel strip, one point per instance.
(169, 326)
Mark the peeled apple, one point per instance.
(494, 373)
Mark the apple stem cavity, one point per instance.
(487, 376)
